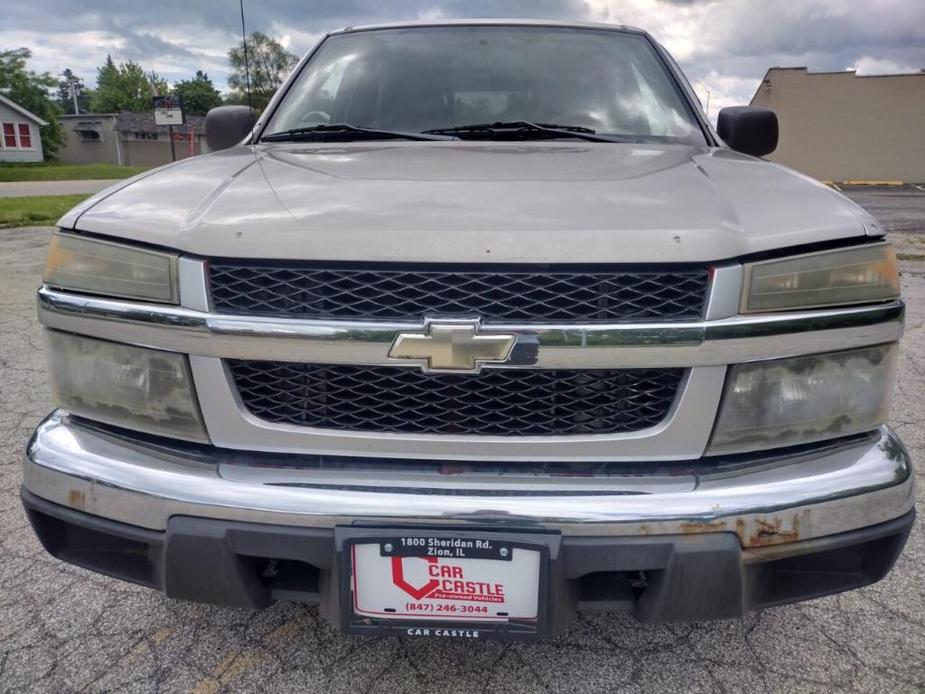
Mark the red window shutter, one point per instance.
(25, 136)
(9, 135)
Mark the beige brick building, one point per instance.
(838, 126)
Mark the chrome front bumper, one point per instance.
(771, 500)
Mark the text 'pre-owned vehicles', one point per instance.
(481, 324)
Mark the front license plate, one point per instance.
(486, 586)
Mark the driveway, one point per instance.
(28, 188)
(64, 629)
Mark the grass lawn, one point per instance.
(50, 171)
(35, 210)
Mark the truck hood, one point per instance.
(473, 202)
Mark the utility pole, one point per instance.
(72, 88)
(73, 82)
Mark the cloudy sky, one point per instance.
(724, 46)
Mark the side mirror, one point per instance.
(226, 126)
(748, 129)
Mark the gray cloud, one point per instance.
(146, 44)
(725, 46)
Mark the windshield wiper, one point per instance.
(523, 130)
(343, 132)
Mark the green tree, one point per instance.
(269, 64)
(198, 94)
(31, 90)
(107, 78)
(69, 83)
(125, 87)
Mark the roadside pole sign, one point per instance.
(168, 110)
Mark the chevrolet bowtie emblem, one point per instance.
(452, 346)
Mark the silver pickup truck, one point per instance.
(479, 325)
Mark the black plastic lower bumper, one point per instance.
(655, 578)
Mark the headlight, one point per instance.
(112, 269)
(829, 278)
(789, 401)
(134, 387)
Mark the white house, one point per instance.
(19, 133)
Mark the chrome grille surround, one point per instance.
(701, 347)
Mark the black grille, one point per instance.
(514, 294)
(515, 402)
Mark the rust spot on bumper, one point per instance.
(76, 499)
(768, 531)
(694, 527)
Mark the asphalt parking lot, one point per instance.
(64, 629)
(899, 208)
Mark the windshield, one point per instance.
(437, 78)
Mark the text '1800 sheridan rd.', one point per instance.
(461, 355)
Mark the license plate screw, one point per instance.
(387, 547)
(504, 551)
